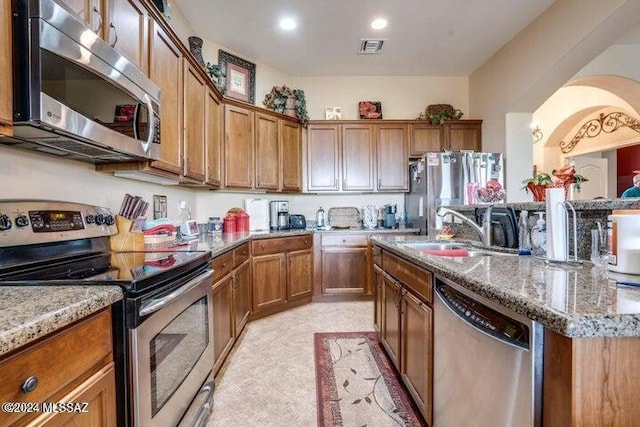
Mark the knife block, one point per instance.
(126, 240)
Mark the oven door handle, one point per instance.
(205, 409)
(158, 303)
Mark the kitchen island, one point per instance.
(591, 326)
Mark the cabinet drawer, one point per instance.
(345, 240)
(413, 277)
(58, 361)
(222, 265)
(282, 244)
(240, 254)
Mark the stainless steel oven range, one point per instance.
(163, 328)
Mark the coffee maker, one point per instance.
(390, 216)
(279, 214)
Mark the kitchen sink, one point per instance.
(453, 249)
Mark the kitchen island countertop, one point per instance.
(28, 313)
(575, 301)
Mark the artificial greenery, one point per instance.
(276, 100)
(217, 75)
(439, 113)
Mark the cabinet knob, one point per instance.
(344, 240)
(29, 385)
(379, 183)
(306, 241)
(224, 264)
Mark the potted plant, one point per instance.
(560, 178)
(437, 114)
(285, 100)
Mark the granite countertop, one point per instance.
(575, 301)
(31, 312)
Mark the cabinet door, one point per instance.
(98, 392)
(299, 274)
(357, 158)
(291, 164)
(242, 296)
(222, 320)
(378, 298)
(463, 135)
(268, 273)
(267, 152)
(344, 270)
(213, 138)
(195, 92)
(424, 138)
(90, 12)
(6, 82)
(417, 352)
(238, 147)
(166, 72)
(393, 158)
(126, 30)
(323, 157)
(390, 335)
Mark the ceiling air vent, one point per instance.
(370, 46)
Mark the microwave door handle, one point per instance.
(151, 124)
(158, 303)
(136, 121)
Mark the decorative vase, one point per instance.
(195, 46)
(538, 191)
(290, 107)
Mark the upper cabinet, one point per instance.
(357, 157)
(267, 152)
(238, 147)
(6, 96)
(166, 70)
(424, 137)
(195, 93)
(463, 135)
(213, 139)
(121, 23)
(291, 158)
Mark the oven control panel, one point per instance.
(24, 222)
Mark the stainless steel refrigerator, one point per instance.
(445, 179)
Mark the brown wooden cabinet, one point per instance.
(378, 283)
(393, 156)
(238, 147)
(352, 156)
(223, 318)
(195, 100)
(463, 135)
(342, 268)
(291, 159)
(403, 307)
(213, 138)
(125, 28)
(424, 137)
(74, 364)
(281, 273)
(166, 71)
(267, 152)
(6, 83)
(241, 296)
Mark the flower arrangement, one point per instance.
(285, 100)
(560, 178)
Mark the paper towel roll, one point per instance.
(557, 227)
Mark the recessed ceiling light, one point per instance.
(287, 24)
(379, 24)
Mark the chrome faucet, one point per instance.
(484, 231)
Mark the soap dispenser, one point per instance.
(321, 220)
(524, 241)
(539, 236)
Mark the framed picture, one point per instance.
(370, 109)
(333, 113)
(240, 77)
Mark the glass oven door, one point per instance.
(172, 352)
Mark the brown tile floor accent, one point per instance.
(269, 378)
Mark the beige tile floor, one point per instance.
(269, 377)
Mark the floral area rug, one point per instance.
(357, 385)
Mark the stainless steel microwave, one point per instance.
(75, 95)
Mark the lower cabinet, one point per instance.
(231, 300)
(343, 268)
(404, 318)
(281, 269)
(73, 365)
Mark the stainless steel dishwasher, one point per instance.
(487, 363)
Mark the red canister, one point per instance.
(229, 225)
(242, 225)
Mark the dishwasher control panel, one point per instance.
(484, 318)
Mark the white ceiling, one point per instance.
(424, 37)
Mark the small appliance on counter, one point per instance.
(298, 222)
(279, 214)
(390, 216)
(258, 210)
(321, 219)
